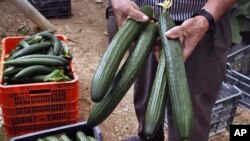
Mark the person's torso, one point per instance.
(180, 9)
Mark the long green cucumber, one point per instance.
(53, 39)
(10, 71)
(45, 56)
(27, 39)
(31, 49)
(35, 61)
(125, 77)
(33, 71)
(112, 57)
(177, 81)
(156, 106)
(34, 79)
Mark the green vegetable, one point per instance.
(61, 58)
(33, 71)
(51, 138)
(91, 138)
(81, 136)
(34, 79)
(157, 101)
(35, 40)
(35, 61)
(125, 77)
(112, 57)
(40, 139)
(10, 71)
(64, 137)
(177, 81)
(53, 39)
(31, 49)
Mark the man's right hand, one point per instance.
(127, 8)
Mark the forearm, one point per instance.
(218, 7)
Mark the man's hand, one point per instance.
(126, 8)
(189, 33)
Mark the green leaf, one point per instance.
(56, 75)
(241, 8)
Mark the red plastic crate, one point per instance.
(37, 106)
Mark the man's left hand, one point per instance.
(189, 33)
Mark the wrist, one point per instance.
(206, 16)
(202, 22)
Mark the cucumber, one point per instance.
(31, 49)
(35, 40)
(81, 136)
(27, 39)
(51, 138)
(61, 58)
(23, 44)
(53, 39)
(125, 77)
(112, 57)
(65, 49)
(33, 71)
(34, 79)
(64, 137)
(10, 71)
(35, 61)
(177, 81)
(91, 138)
(156, 105)
(40, 139)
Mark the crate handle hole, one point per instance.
(35, 92)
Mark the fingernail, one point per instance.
(145, 17)
(167, 33)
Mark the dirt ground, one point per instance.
(85, 29)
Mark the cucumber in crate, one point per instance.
(38, 85)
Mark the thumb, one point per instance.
(175, 32)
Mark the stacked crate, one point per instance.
(238, 73)
(224, 109)
(53, 8)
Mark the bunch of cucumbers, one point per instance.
(80, 136)
(38, 58)
(110, 83)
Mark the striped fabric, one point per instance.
(180, 9)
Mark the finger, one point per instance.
(175, 32)
(186, 53)
(120, 20)
(182, 39)
(138, 15)
(187, 50)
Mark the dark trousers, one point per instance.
(205, 70)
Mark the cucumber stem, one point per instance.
(165, 5)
